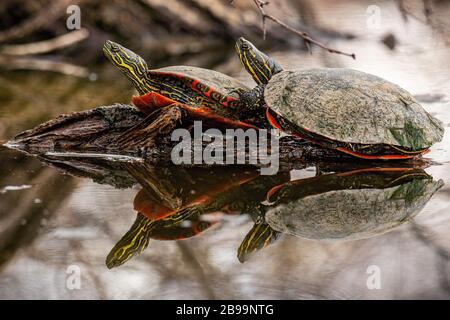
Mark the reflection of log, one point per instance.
(99, 130)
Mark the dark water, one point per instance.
(228, 232)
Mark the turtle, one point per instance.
(350, 205)
(342, 109)
(202, 93)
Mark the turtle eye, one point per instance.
(245, 46)
(115, 49)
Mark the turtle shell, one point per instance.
(351, 106)
(203, 93)
(350, 206)
(209, 83)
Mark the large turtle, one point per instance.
(342, 109)
(202, 93)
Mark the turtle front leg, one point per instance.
(253, 107)
(238, 92)
(253, 99)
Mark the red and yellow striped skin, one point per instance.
(152, 101)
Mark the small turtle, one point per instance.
(202, 93)
(157, 221)
(346, 110)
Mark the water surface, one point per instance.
(54, 215)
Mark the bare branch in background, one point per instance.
(427, 9)
(306, 38)
(428, 19)
(402, 9)
(45, 46)
(32, 63)
(46, 16)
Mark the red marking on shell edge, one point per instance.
(273, 122)
(349, 173)
(272, 191)
(382, 157)
(148, 208)
(151, 101)
(194, 85)
(207, 114)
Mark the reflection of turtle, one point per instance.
(201, 93)
(342, 109)
(350, 205)
(227, 193)
(260, 236)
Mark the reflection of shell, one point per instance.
(352, 214)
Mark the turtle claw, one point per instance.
(237, 92)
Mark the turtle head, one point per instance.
(129, 63)
(259, 65)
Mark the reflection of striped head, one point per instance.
(259, 237)
(129, 63)
(132, 243)
(258, 64)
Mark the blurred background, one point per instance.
(50, 220)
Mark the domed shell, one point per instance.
(352, 214)
(352, 106)
(222, 83)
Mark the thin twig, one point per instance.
(307, 39)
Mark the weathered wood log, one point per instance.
(122, 129)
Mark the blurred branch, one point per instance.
(306, 38)
(45, 46)
(31, 63)
(423, 235)
(427, 10)
(44, 17)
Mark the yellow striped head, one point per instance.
(259, 65)
(129, 63)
